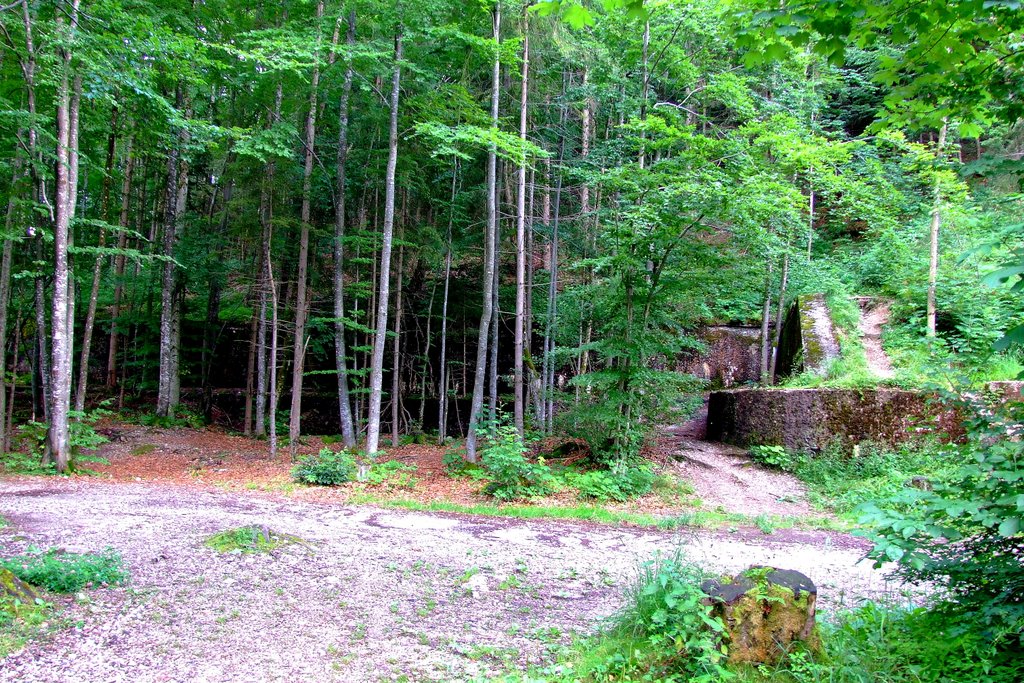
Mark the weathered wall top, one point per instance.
(808, 340)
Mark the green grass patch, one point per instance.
(143, 449)
(62, 572)
(21, 622)
(250, 539)
(588, 513)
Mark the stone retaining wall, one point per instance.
(802, 419)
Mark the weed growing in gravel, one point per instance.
(62, 572)
(764, 523)
(250, 539)
(21, 622)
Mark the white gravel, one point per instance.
(380, 594)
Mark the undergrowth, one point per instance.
(326, 468)
(889, 644)
(21, 622)
(59, 571)
(842, 477)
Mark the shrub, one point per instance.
(392, 474)
(966, 534)
(64, 572)
(878, 642)
(512, 475)
(664, 633)
(326, 468)
(82, 437)
(772, 456)
(620, 484)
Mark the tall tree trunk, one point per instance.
(301, 304)
(348, 433)
(549, 328)
(520, 321)
(442, 382)
(477, 404)
(5, 297)
(59, 450)
(97, 270)
(396, 368)
(383, 288)
(170, 294)
(119, 263)
(266, 382)
(164, 406)
(933, 252)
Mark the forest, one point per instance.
(504, 228)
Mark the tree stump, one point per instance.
(13, 588)
(765, 611)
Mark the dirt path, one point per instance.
(724, 477)
(381, 593)
(874, 314)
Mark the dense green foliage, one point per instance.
(964, 533)
(842, 477)
(63, 572)
(511, 474)
(326, 468)
(891, 644)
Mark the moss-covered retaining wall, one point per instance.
(803, 419)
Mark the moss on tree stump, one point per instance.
(13, 588)
(765, 611)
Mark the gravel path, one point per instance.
(378, 594)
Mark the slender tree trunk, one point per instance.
(477, 404)
(348, 433)
(380, 335)
(442, 382)
(492, 363)
(170, 294)
(396, 368)
(119, 263)
(5, 297)
(520, 321)
(59, 450)
(933, 259)
(550, 326)
(97, 271)
(301, 304)
(250, 371)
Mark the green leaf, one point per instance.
(1009, 527)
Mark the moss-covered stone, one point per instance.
(765, 611)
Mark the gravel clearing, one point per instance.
(377, 595)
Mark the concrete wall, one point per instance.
(732, 356)
(813, 418)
